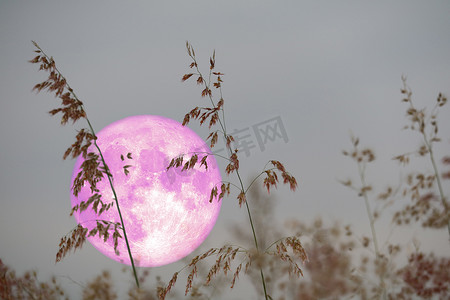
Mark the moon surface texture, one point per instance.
(167, 214)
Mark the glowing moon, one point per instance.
(167, 214)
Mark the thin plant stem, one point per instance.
(105, 166)
(369, 211)
(254, 237)
(120, 215)
(372, 225)
(438, 179)
(264, 283)
(249, 217)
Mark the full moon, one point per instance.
(167, 213)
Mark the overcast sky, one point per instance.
(320, 68)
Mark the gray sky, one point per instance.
(323, 68)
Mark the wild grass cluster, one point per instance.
(323, 260)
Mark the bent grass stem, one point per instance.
(104, 164)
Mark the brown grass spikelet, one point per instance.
(289, 179)
(206, 92)
(241, 198)
(214, 137)
(191, 163)
(72, 107)
(212, 60)
(233, 165)
(223, 264)
(190, 279)
(83, 141)
(195, 112)
(90, 172)
(229, 139)
(292, 245)
(125, 169)
(220, 104)
(270, 180)
(213, 194)
(203, 114)
(278, 165)
(186, 76)
(103, 229)
(186, 120)
(72, 241)
(203, 162)
(297, 247)
(214, 119)
(218, 74)
(95, 200)
(213, 270)
(162, 293)
(224, 189)
(175, 162)
(190, 49)
(236, 275)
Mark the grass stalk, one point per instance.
(120, 213)
(223, 127)
(438, 179)
(369, 211)
(372, 226)
(109, 175)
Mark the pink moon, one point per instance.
(167, 214)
